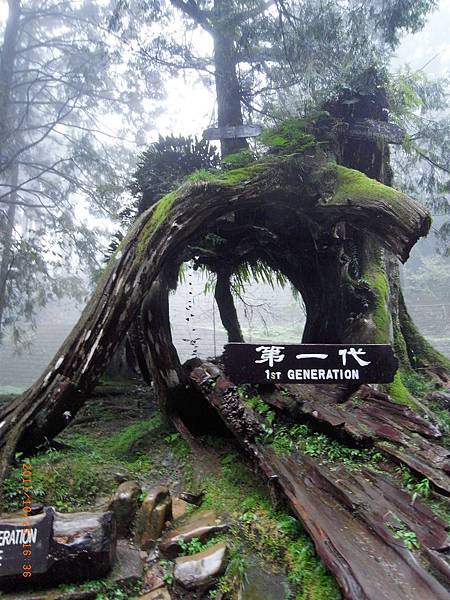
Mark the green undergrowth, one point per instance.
(288, 438)
(402, 532)
(409, 385)
(104, 589)
(72, 478)
(273, 535)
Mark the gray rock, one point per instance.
(160, 594)
(120, 474)
(151, 518)
(261, 583)
(200, 570)
(201, 525)
(128, 567)
(124, 505)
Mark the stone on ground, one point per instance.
(160, 594)
(260, 583)
(200, 570)
(124, 505)
(151, 518)
(179, 508)
(128, 568)
(201, 525)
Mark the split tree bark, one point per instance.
(350, 516)
(280, 186)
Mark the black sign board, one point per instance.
(310, 363)
(24, 544)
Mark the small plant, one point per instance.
(234, 575)
(195, 545)
(286, 439)
(167, 571)
(418, 487)
(401, 532)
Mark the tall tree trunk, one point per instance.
(8, 171)
(7, 242)
(228, 90)
(378, 266)
(227, 308)
(7, 62)
(169, 379)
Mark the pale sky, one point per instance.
(190, 108)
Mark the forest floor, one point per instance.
(119, 435)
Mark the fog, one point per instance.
(265, 313)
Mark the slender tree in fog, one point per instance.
(63, 80)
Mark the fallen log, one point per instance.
(350, 517)
(371, 418)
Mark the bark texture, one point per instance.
(228, 89)
(351, 516)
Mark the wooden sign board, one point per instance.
(232, 132)
(371, 130)
(24, 547)
(310, 363)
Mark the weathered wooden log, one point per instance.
(351, 517)
(73, 547)
(306, 188)
(373, 419)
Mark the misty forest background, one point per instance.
(88, 86)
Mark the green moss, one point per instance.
(399, 392)
(375, 275)
(201, 175)
(290, 136)
(228, 177)
(235, 176)
(352, 184)
(236, 160)
(127, 442)
(382, 318)
(400, 348)
(159, 215)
